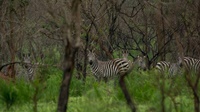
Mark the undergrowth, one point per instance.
(93, 96)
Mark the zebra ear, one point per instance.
(92, 50)
(19, 54)
(92, 42)
(88, 50)
(23, 55)
(181, 54)
(29, 54)
(180, 61)
(125, 53)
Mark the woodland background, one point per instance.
(50, 30)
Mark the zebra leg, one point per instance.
(97, 78)
(116, 79)
(105, 79)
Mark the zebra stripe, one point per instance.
(190, 64)
(108, 69)
(29, 67)
(30, 72)
(168, 68)
(163, 66)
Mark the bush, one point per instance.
(8, 93)
(93, 96)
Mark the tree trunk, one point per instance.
(64, 91)
(126, 94)
(72, 34)
(11, 40)
(160, 31)
(85, 58)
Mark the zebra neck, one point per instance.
(94, 65)
(135, 63)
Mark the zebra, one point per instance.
(171, 69)
(190, 64)
(111, 68)
(108, 69)
(140, 61)
(29, 67)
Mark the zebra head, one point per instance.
(125, 54)
(180, 61)
(27, 60)
(140, 62)
(174, 69)
(91, 57)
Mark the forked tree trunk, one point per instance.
(72, 35)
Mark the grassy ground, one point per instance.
(144, 88)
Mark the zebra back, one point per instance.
(163, 66)
(123, 65)
(190, 64)
(168, 68)
(111, 68)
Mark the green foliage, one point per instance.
(53, 55)
(76, 87)
(92, 96)
(8, 94)
(52, 84)
(12, 93)
(24, 91)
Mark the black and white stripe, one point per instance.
(139, 63)
(190, 64)
(28, 66)
(108, 69)
(168, 68)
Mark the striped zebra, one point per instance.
(109, 69)
(190, 64)
(140, 61)
(171, 69)
(29, 67)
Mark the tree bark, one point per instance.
(64, 91)
(160, 32)
(72, 33)
(126, 94)
(11, 40)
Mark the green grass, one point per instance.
(97, 97)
